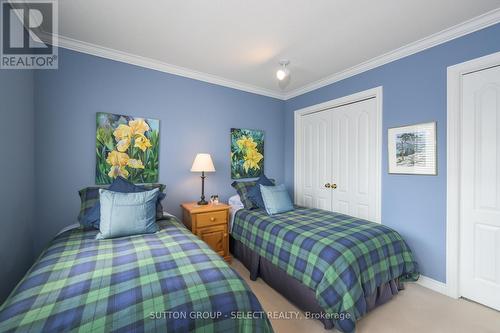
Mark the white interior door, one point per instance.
(316, 161)
(480, 188)
(354, 149)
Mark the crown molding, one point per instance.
(480, 22)
(113, 54)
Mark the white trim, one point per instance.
(459, 30)
(376, 93)
(129, 58)
(454, 115)
(432, 284)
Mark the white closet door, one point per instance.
(316, 161)
(338, 160)
(480, 188)
(354, 171)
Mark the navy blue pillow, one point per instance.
(120, 185)
(254, 193)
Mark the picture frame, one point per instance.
(412, 149)
(247, 153)
(126, 146)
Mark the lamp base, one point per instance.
(202, 202)
(202, 198)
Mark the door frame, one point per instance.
(453, 165)
(376, 93)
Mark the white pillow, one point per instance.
(236, 205)
(235, 201)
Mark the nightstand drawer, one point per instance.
(211, 218)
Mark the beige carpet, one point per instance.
(415, 309)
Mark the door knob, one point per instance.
(327, 185)
(334, 186)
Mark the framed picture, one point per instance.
(247, 153)
(126, 146)
(412, 149)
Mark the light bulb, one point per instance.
(281, 74)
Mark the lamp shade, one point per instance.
(203, 162)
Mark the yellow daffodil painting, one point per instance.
(127, 147)
(247, 153)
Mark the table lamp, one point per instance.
(203, 163)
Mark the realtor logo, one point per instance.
(28, 34)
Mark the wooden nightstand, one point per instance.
(210, 224)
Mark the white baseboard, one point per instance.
(432, 284)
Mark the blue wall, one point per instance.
(17, 176)
(414, 92)
(194, 117)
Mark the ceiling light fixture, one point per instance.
(283, 72)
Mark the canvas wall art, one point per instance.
(127, 146)
(412, 149)
(247, 153)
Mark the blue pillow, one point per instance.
(123, 186)
(276, 199)
(126, 214)
(254, 192)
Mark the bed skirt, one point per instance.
(297, 293)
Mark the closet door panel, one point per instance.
(316, 161)
(341, 164)
(353, 167)
(307, 193)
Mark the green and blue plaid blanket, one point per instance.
(169, 281)
(342, 258)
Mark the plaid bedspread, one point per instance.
(342, 258)
(164, 282)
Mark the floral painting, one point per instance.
(247, 153)
(128, 147)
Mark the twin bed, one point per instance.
(169, 281)
(334, 267)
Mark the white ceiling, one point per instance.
(243, 41)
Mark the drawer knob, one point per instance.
(212, 219)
